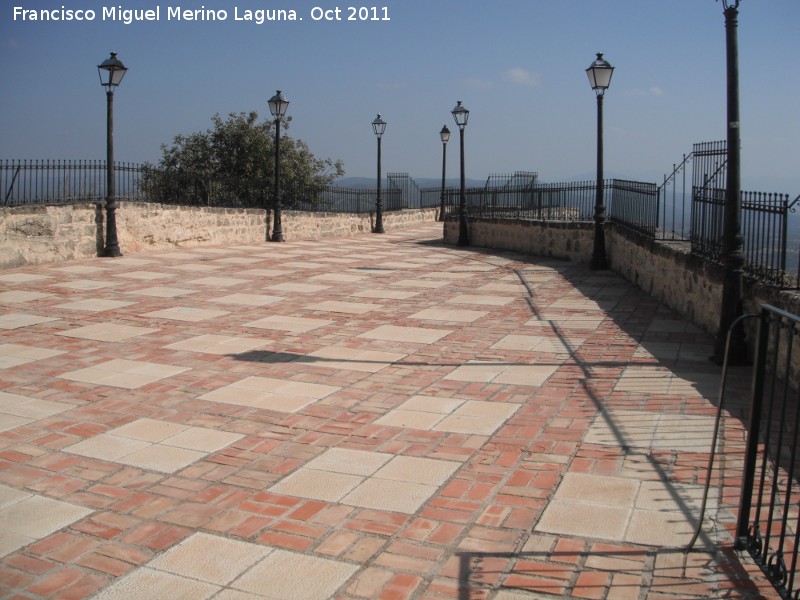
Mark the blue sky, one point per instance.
(518, 65)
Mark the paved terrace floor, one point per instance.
(373, 417)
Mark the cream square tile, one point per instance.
(475, 371)
(94, 305)
(598, 489)
(472, 425)
(142, 275)
(432, 404)
(411, 419)
(304, 264)
(533, 375)
(201, 439)
(185, 313)
(27, 353)
(30, 408)
(8, 422)
(337, 277)
(353, 462)
(385, 294)
(673, 497)
(291, 324)
(197, 267)
(317, 485)
(17, 320)
(219, 344)
(163, 292)
(123, 373)
(158, 457)
(107, 332)
(421, 283)
(218, 281)
(149, 583)
(87, 284)
(106, 447)
(352, 308)
(10, 495)
(446, 314)
(658, 528)
(571, 517)
(36, 516)
(11, 542)
(80, 269)
(19, 296)
(491, 300)
(248, 299)
(390, 495)
(417, 335)
(414, 469)
(284, 574)
(300, 288)
(22, 277)
(148, 430)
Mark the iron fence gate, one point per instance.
(768, 525)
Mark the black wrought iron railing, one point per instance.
(65, 181)
(768, 525)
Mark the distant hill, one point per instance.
(422, 182)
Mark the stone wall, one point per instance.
(568, 241)
(665, 270)
(36, 234)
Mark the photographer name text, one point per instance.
(259, 16)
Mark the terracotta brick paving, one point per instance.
(391, 351)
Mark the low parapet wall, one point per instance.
(37, 234)
(665, 270)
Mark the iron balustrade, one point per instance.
(664, 212)
(24, 182)
(768, 526)
(634, 204)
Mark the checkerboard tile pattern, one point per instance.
(397, 417)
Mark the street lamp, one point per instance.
(378, 126)
(599, 73)
(444, 134)
(277, 106)
(111, 72)
(731, 255)
(461, 116)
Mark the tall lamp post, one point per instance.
(599, 73)
(461, 116)
(444, 134)
(731, 254)
(379, 126)
(111, 72)
(277, 106)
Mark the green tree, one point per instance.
(233, 164)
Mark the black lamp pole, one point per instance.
(111, 72)
(461, 116)
(444, 135)
(599, 73)
(277, 106)
(731, 254)
(379, 126)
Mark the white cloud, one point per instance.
(521, 76)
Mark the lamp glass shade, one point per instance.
(444, 134)
(378, 126)
(461, 115)
(111, 71)
(600, 72)
(278, 104)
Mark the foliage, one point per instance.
(233, 164)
